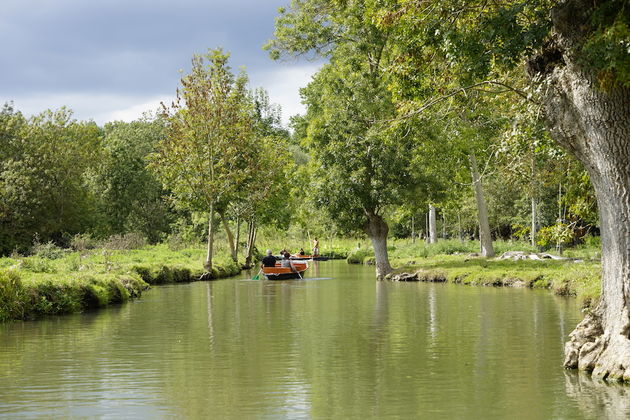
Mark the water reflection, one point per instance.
(598, 399)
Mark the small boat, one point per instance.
(298, 257)
(285, 273)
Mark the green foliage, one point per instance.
(48, 251)
(42, 176)
(130, 240)
(358, 256)
(11, 296)
(130, 197)
(32, 286)
(607, 49)
(206, 151)
(360, 163)
(560, 233)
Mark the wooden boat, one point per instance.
(298, 257)
(285, 273)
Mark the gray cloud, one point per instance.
(132, 48)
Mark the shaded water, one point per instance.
(340, 346)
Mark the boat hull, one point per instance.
(308, 257)
(285, 273)
(284, 276)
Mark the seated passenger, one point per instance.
(269, 260)
(302, 251)
(286, 261)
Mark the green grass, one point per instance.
(71, 282)
(64, 281)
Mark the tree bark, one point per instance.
(230, 237)
(485, 238)
(595, 126)
(532, 235)
(377, 230)
(238, 234)
(413, 230)
(559, 220)
(432, 225)
(209, 254)
(251, 237)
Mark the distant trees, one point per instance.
(60, 177)
(44, 161)
(129, 196)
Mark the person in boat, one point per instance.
(286, 261)
(269, 260)
(315, 247)
(302, 251)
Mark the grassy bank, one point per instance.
(61, 281)
(456, 262)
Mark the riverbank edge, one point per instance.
(478, 271)
(35, 298)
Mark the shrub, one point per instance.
(37, 265)
(51, 296)
(132, 240)
(359, 255)
(49, 251)
(11, 296)
(83, 242)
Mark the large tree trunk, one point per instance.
(209, 253)
(230, 237)
(377, 230)
(485, 238)
(595, 126)
(432, 225)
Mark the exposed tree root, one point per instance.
(591, 349)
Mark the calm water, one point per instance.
(339, 346)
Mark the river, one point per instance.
(339, 345)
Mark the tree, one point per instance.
(587, 103)
(205, 155)
(579, 64)
(130, 197)
(363, 164)
(43, 187)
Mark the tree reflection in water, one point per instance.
(598, 399)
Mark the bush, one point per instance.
(359, 255)
(11, 296)
(37, 265)
(132, 240)
(51, 297)
(83, 242)
(49, 251)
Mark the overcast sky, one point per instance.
(114, 59)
